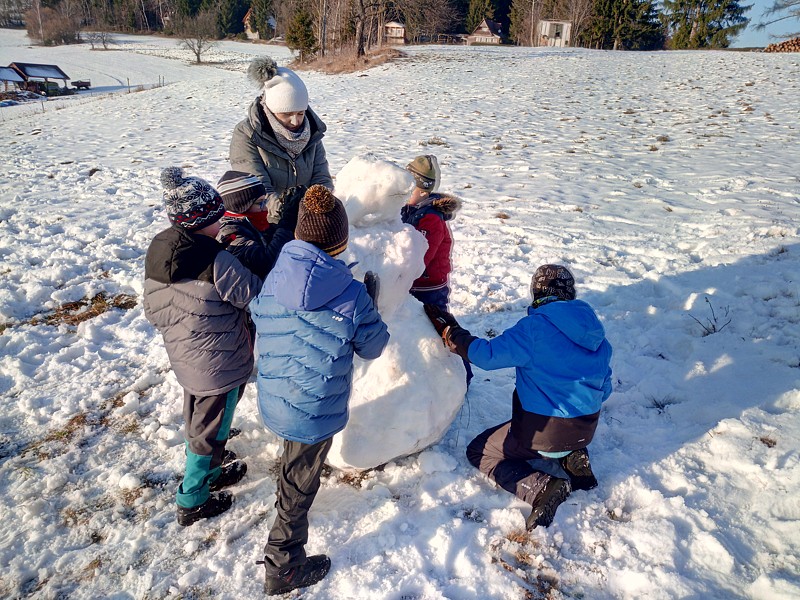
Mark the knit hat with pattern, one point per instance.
(426, 172)
(322, 221)
(283, 91)
(553, 280)
(191, 202)
(239, 191)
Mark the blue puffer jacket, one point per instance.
(310, 316)
(561, 355)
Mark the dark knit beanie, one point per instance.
(239, 191)
(191, 202)
(553, 280)
(426, 172)
(322, 221)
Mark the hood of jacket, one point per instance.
(576, 320)
(175, 255)
(306, 278)
(446, 204)
(263, 135)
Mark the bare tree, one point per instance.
(579, 12)
(198, 34)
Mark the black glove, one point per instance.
(441, 319)
(290, 206)
(373, 283)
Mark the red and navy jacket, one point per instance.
(431, 220)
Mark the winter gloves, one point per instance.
(373, 284)
(290, 206)
(456, 338)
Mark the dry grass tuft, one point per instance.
(336, 64)
(767, 441)
(73, 313)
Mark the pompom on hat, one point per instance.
(239, 191)
(322, 221)
(282, 90)
(552, 280)
(426, 172)
(191, 202)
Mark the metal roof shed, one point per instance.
(34, 71)
(9, 75)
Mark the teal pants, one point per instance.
(207, 425)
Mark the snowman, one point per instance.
(405, 400)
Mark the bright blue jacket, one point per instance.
(561, 356)
(310, 316)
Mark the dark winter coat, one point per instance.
(431, 221)
(196, 294)
(563, 373)
(311, 317)
(254, 149)
(255, 250)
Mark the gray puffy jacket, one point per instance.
(196, 295)
(254, 149)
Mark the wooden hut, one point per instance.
(557, 34)
(394, 33)
(488, 32)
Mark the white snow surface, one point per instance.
(668, 183)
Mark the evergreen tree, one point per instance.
(704, 23)
(231, 16)
(477, 12)
(625, 25)
(782, 10)
(300, 34)
(262, 11)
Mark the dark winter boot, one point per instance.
(228, 457)
(229, 474)
(577, 466)
(547, 502)
(215, 505)
(234, 431)
(310, 572)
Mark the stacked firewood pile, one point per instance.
(787, 46)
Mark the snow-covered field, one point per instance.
(668, 182)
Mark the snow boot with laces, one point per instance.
(310, 572)
(577, 466)
(215, 505)
(229, 474)
(547, 502)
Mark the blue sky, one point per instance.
(751, 37)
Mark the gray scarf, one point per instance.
(294, 142)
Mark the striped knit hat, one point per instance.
(322, 221)
(239, 191)
(191, 202)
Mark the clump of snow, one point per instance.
(405, 400)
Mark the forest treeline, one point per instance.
(317, 27)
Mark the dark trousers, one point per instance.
(207, 423)
(298, 483)
(503, 459)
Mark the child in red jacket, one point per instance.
(429, 211)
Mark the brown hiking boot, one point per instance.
(547, 502)
(577, 466)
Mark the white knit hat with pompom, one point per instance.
(283, 90)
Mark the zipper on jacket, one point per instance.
(294, 170)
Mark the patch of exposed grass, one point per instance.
(767, 441)
(336, 64)
(73, 313)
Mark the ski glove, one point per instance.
(290, 206)
(454, 337)
(373, 284)
(441, 319)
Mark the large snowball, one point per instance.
(405, 400)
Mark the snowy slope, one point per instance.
(668, 182)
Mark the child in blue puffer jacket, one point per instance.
(311, 317)
(562, 360)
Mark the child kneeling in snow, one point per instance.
(196, 294)
(311, 316)
(562, 359)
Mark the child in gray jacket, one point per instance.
(196, 294)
